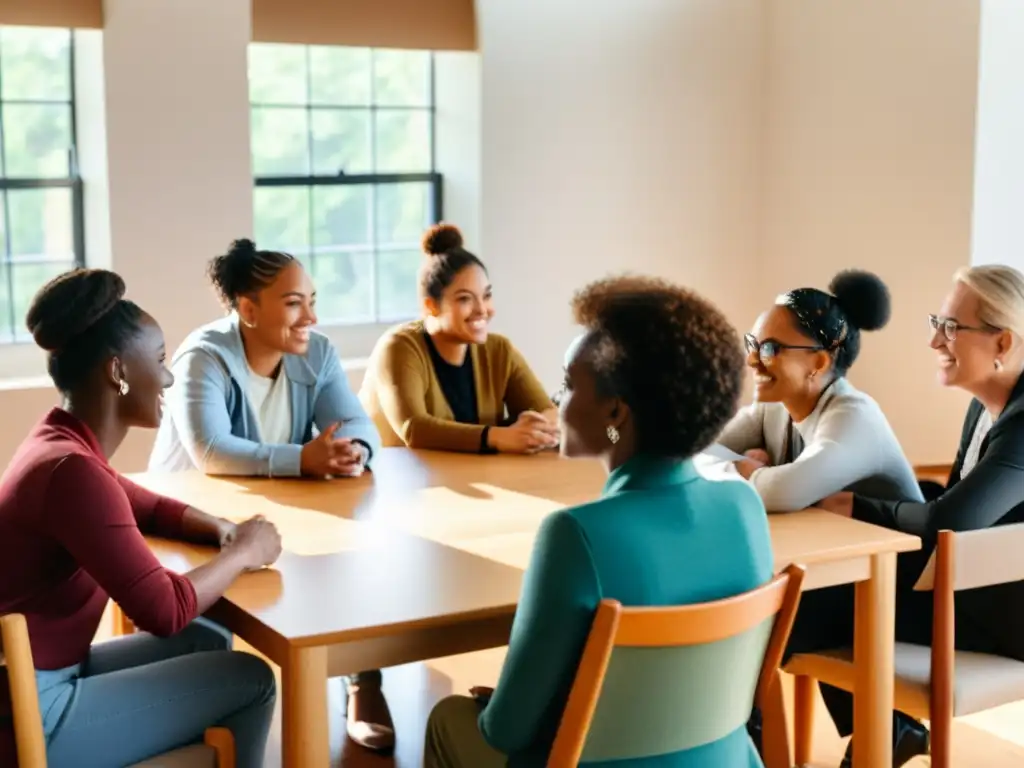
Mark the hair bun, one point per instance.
(864, 299)
(242, 248)
(441, 238)
(70, 304)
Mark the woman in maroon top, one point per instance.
(71, 538)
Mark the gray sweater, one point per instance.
(848, 445)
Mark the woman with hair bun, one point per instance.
(250, 389)
(71, 540)
(810, 433)
(445, 382)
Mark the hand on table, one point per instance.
(532, 432)
(329, 455)
(259, 542)
(838, 503)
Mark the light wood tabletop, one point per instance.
(422, 558)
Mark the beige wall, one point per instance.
(625, 137)
(868, 162)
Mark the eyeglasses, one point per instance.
(767, 350)
(950, 327)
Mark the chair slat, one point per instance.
(981, 559)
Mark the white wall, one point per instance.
(869, 163)
(622, 136)
(999, 166)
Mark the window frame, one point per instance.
(310, 181)
(72, 181)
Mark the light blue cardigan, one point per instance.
(209, 424)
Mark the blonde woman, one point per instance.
(978, 338)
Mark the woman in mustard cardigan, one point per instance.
(445, 382)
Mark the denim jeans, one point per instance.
(140, 696)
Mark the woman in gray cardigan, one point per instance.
(810, 433)
(249, 390)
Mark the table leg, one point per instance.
(873, 651)
(305, 727)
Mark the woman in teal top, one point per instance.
(651, 382)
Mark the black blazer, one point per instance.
(991, 494)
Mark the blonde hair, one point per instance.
(1001, 290)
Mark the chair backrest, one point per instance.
(656, 680)
(16, 653)
(972, 559)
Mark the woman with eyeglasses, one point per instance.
(978, 338)
(810, 433)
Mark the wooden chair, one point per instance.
(16, 654)
(934, 683)
(656, 680)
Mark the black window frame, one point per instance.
(73, 182)
(373, 180)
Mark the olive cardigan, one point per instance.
(402, 395)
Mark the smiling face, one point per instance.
(466, 307)
(143, 367)
(283, 313)
(793, 368)
(969, 359)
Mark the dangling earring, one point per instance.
(613, 434)
(123, 388)
(999, 364)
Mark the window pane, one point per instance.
(41, 224)
(344, 286)
(398, 272)
(282, 219)
(27, 280)
(401, 78)
(341, 141)
(403, 141)
(403, 212)
(280, 141)
(278, 74)
(37, 139)
(341, 215)
(36, 63)
(339, 76)
(7, 320)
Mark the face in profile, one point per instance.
(582, 412)
(144, 368)
(466, 307)
(969, 357)
(781, 357)
(284, 312)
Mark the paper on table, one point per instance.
(721, 453)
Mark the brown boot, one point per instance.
(369, 719)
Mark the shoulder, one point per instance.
(853, 405)
(499, 344)
(401, 341)
(215, 341)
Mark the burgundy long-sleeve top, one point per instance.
(71, 537)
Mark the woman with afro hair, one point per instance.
(652, 380)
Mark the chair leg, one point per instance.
(222, 741)
(804, 695)
(941, 742)
(774, 730)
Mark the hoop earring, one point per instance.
(999, 364)
(123, 388)
(247, 324)
(613, 434)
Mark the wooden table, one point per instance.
(436, 543)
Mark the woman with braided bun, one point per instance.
(71, 539)
(810, 433)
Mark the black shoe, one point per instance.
(754, 730)
(909, 739)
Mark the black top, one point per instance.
(457, 384)
(991, 494)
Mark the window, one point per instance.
(343, 159)
(41, 208)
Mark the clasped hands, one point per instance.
(531, 432)
(329, 455)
